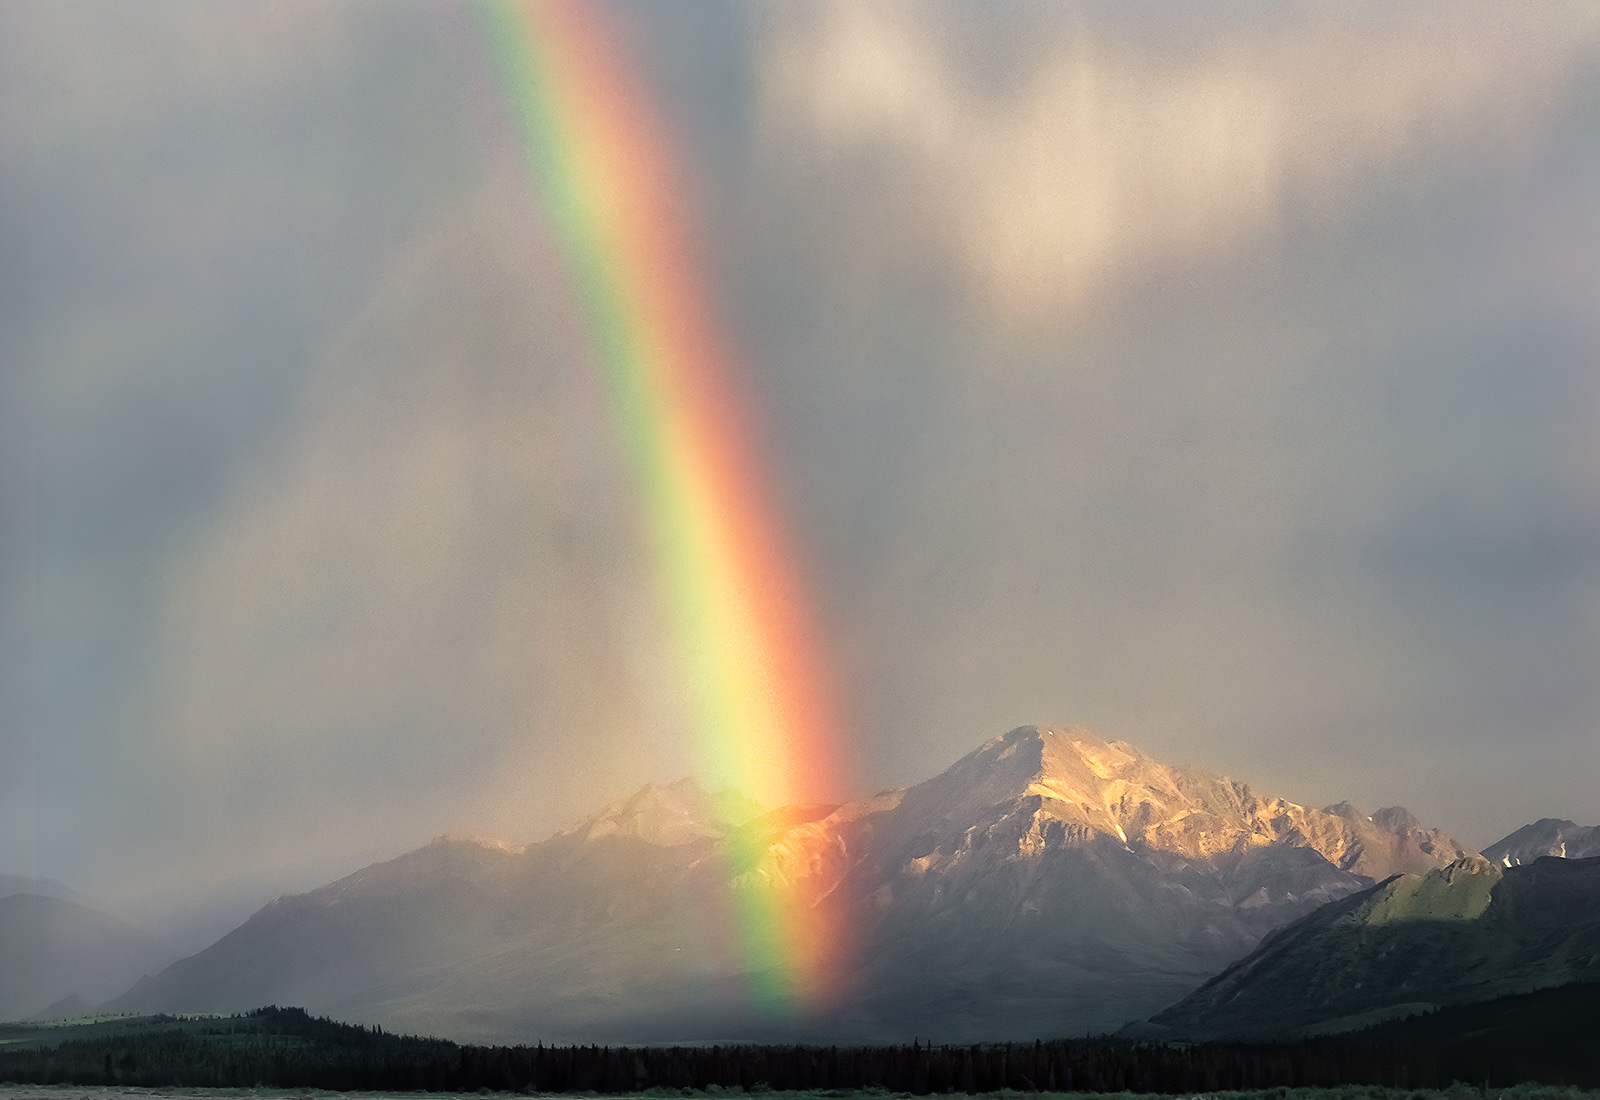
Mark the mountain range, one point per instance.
(1049, 883)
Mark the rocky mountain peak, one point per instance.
(1395, 819)
(1067, 772)
(1092, 787)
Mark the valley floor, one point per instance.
(1530, 1091)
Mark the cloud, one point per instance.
(1110, 149)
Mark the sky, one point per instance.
(1222, 378)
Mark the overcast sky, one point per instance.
(1223, 378)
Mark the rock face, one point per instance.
(1091, 786)
(1465, 933)
(1546, 837)
(1048, 883)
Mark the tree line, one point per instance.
(287, 1048)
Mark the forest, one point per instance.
(276, 1047)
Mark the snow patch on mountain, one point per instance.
(1548, 836)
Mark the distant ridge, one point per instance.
(1548, 836)
(53, 949)
(41, 887)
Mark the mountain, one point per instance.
(1047, 883)
(1469, 932)
(561, 940)
(52, 949)
(1546, 837)
(1051, 882)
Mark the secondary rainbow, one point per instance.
(604, 173)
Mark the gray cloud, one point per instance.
(1106, 149)
(200, 198)
(1160, 475)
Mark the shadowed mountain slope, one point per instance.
(1047, 883)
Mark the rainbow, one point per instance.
(756, 690)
